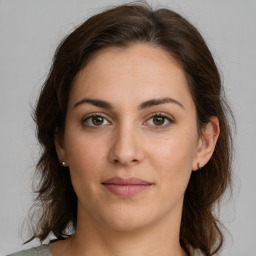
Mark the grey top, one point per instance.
(42, 250)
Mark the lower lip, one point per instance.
(127, 190)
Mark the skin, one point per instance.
(128, 142)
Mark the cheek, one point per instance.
(175, 152)
(172, 159)
(85, 158)
(173, 165)
(82, 150)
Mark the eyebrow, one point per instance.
(155, 102)
(143, 105)
(95, 102)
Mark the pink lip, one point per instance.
(126, 187)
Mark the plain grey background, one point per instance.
(29, 33)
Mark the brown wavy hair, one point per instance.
(122, 26)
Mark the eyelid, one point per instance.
(92, 115)
(169, 117)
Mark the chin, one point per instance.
(127, 219)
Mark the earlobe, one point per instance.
(207, 143)
(60, 148)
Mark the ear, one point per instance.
(60, 148)
(206, 143)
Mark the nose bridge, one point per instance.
(126, 148)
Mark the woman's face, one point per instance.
(130, 138)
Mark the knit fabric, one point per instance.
(42, 250)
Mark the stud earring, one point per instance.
(198, 166)
(63, 164)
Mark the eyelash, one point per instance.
(166, 118)
(85, 120)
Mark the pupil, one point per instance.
(158, 120)
(97, 120)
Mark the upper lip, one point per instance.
(126, 181)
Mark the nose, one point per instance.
(127, 147)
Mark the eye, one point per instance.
(159, 121)
(95, 120)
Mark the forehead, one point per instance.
(140, 71)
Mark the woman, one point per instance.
(136, 140)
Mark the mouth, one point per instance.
(126, 187)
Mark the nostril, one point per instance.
(132, 161)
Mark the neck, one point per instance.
(154, 239)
